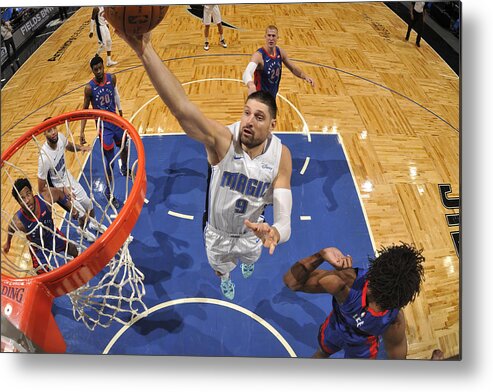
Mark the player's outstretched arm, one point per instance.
(305, 276)
(295, 69)
(14, 225)
(94, 15)
(87, 101)
(395, 339)
(195, 124)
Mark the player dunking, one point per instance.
(102, 93)
(366, 303)
(264, 71)
(103, 32)
(52, 170)
(250, 169)
(35, 219)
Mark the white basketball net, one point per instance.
(116, 292)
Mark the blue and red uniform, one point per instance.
(39, 232)
(270, 77)
(103, 98)
(353, 326)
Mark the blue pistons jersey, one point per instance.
(269, 78)
(103, 95)
(353, 325)
(39, 232)
(103, 98)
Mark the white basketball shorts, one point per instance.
(212, 11)
(225, 250)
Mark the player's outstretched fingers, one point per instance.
(255, 227)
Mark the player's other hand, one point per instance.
(336, 258)
(437, 355)
(267, 234)
(68, 192)
(84, 148)
(74, 213)
(310, 80)
(82, 139)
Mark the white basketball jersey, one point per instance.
(101, 21)
(241, 187)
(51, 162)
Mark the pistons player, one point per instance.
(102, 93)
(99, 22)
(367, 303)
(250, 168)
(264, 71)
(35, 219)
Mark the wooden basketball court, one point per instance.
(395, 107)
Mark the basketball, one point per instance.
(135, 20)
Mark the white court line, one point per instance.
(305, 217)
(305, 165)
(208, 301)
(178, 215)
(305, 130)
(359, 194)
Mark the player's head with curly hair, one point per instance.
(395, 276)
(19, 185)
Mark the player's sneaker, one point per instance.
(86, 234)
(125, 172)
(206, 45)
(247, 270)
(115, 202)
(110, 63)
(228, 288)
(97, 227)
(112, 199)
(223, 43)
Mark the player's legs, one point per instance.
(216, 17)
(106, 137)
(329, 338)
(106, 39)
(122, 142)
(218, 249)
(249, 249)
(219, 252)
(101, 46)
(87, 216)
(207, 24)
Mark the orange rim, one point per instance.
(84, 267)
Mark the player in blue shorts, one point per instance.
(102, 93)
(35, 219)
(264, 71)
(367, 303)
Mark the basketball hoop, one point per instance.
(28, 294)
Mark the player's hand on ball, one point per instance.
(267, 234)
(336, 258)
